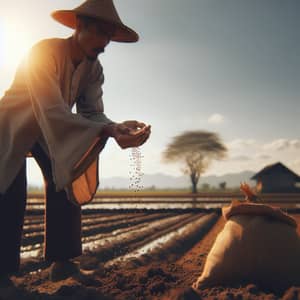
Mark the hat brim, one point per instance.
(122, 34)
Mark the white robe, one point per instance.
(38, 108)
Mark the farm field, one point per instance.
(132, 254)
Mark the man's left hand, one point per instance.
(132, 134)
(130, 126)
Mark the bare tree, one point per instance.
(222, 185)
(196, 150)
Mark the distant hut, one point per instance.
(277, 178)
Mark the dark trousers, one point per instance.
(62, 219)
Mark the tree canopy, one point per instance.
(196, 150)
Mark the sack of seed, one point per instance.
(259, 244)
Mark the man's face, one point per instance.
(93, 37)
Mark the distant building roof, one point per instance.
(275, 168)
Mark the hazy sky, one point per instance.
(229, 66)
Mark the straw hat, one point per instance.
(102, 10)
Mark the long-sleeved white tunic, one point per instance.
(38, 108)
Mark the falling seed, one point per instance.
(136, 166)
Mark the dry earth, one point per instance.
(120, 270)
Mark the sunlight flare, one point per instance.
(15, 41)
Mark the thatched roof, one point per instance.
(275, 168)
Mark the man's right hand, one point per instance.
(128, 138)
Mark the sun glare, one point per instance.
(15, 41)
(1, 44)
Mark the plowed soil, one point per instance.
(135, 256)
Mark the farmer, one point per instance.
(36, 118)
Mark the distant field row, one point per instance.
(172, 194)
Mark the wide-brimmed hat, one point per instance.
(103, 10)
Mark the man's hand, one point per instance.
(132, 126)
(129, 133)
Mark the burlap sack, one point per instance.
(259, 244)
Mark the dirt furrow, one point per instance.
(110, 249)
(91, 230)
(114, 233)
(115, 245)
(151, 274)
(164, 232)
(87, 220)
(38, 237)
(101, 220)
